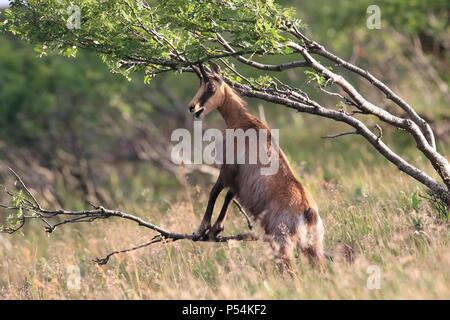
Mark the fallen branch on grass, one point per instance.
(25, 207)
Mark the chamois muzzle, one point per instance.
(197, 110)
(198, 113)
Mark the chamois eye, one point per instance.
(211, 87)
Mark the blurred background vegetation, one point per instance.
(76, 132)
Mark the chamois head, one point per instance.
(211, 93)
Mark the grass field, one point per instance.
(364, 201)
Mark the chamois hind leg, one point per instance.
(314, 248)
(282, 246)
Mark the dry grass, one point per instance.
(368, 208)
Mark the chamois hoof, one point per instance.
(200, 235)
(214, 232)
(196, 236)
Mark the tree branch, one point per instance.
(340, 116)
(35, 211)
(319, 49)
(439, 162)
(337, 135)
(262, 66)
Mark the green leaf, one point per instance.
(415, 200)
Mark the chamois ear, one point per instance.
(215, 68)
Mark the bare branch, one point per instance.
(380, 131)
(439, 162)
(364, 131)
(337, 135)
(335, 94)
(103, 261)
(99, 212)
(158, 238)
(262, 66)
(38, 206)
(320, 50)
(241, 209)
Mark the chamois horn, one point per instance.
(197, 71)
(203, 72)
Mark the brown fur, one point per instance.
(285, 209)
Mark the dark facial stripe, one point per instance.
(205, 97)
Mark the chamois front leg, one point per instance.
(218, 225)
(205, 225)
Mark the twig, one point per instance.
(103, 261)
(262, 66)
(380, 132)
(332, 136)
(241, 209)
(26, 188)
(239, 74)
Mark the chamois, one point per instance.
(283, 206)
